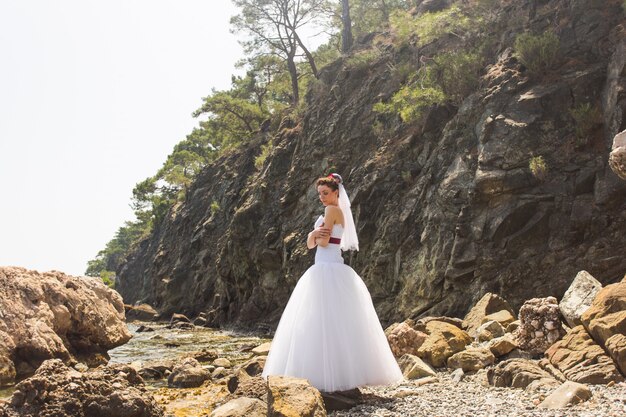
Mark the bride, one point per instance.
(329, 332)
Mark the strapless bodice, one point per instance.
(332, 252)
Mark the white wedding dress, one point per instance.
(329, 332)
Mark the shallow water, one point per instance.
(157, 345)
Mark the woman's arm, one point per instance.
(332, 215)
(318, 233)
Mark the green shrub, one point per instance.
(364, 58)
(430, 26)
(538, 167)
(587, 117)
(457, 73)
(538, 53)
(411, 101)
(215, 207)
(265, 151)
(108, 277)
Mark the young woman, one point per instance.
(329, 332)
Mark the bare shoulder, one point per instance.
(333, 210)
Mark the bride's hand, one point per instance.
(321, 232)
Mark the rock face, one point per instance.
(605, 320)
(446, 208)
(58, 391)
(54, 315)
(579, 297)
(581, 359)
(540, 325)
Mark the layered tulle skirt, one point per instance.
(330, 334)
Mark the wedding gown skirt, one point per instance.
(329, 332)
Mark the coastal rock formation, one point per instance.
(605, 321)
(56, 390)
(447, 208)
(580, 359)
(54, 315)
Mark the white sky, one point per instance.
(93, 97)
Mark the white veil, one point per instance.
(349, 240)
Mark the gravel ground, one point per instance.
(473, 397)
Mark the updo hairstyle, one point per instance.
(332, 181)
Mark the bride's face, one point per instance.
(327, 195)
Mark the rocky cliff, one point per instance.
(446, 208)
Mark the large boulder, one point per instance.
(293, 397)
(413, 367)
(569, 393)
(54, 315)
(472, 359)
(444, 340)
(187, 374)
(56, 390)
(141, 312)
(617, 157)
(404, 339)
(581, 359)
(605, 320)
(489, 304)
(540, 325)
(579, 297)
(241, 407)
(519, 373)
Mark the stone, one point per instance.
(57, 390)
(224, 362)
(579, 297)
(219, 372)
(187, 374)
(141, 312)
(254, 366)
(606, 318)
(569, 393)
(413, 367)
(540, 325)
(241, 407)
(504, 317)
(517, 373)
(178, 318)
(253, 387)
(293, 397)
(488, 304)
(502, 345)
(54, 315)
(341, 400)
(205, 355)
(263, 349)
(472, 359)
(458, 375)
(404, 339)
(489, 330)
(512, 326)
(617, 157)
(443, 341)
(581, 359)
